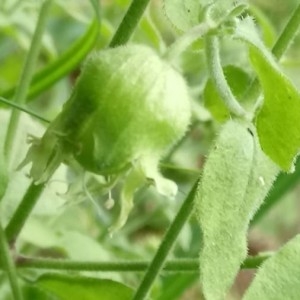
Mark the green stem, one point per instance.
(62, 66)
(184, 41)
(165, 247)
(129, 22)
(8, 266)
(287, 35)
(174, 265)
(281, 45)
(26, 77)
(23, 211)
(21, 108)
(218, 77)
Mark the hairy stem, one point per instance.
(174, 265)
(129, 22)
(218, 77)
(25, 79)
(23, 211)
(166, 246)
(8, 266)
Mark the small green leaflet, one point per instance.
(278, 278)
(277, 122)
(183, 14)
(78, 288)
(238, 81)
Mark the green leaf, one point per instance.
(87, 288)
(283, 184)
(31, 292)
(236, 178)
(238, 81)
(174, 286)
(183, 14)
(67, 62)
(277, 122)
(278, 278)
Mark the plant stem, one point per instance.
(25, 78)
(287, 35)
(218, 77)
(184, 41)
(62, 66)
(281, 45)
(8, 266)
(129, 22)
(165, 247)
(24, 109)
(174, 265)
(23, 211)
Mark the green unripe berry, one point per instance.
(127, 110)
(127, 105)
(141, 108)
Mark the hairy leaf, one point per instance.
(236, 177)
(278, 278)
(182, 14)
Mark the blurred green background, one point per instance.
(66, 224)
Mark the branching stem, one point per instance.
(218, 77)
(8, 266)
(174, 265)
(25, 79)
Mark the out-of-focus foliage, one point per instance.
(73, 223)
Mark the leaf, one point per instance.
(183, 14)
(175, 285)
(277, 122)
(57, 69)
(283, 184)
(31, 292)
(278, 278)
(87, 288)
(238, 81)
(236, 178)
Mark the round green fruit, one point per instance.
(140, 108)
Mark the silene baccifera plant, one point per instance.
(130, 106)
(127, 109)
